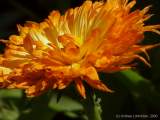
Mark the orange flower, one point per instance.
(96, 37)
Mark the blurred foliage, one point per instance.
(136, 92)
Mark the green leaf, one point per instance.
(10, 93)
(139, 87)
(65, 104)
(36, 109)
(8, 111)
(71, 114)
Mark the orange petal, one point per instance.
(28, 43)
(13, 63)
(63, 84)
(90, 73)
(92, 78)
(99, 85)
(80, 88)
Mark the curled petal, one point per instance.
(98, 85)
(91, 77)
(80, 88)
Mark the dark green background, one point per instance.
(136, 91)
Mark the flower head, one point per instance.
(95, 37)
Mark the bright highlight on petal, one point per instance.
(95, 37)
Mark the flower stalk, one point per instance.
(93, 107)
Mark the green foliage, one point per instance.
(8, 111)
(10, 93)
(8, 104)
(65, 104)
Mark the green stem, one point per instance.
(93, 108)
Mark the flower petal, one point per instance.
(80, 88)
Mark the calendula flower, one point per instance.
(74, 47)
